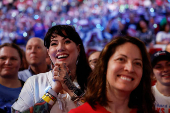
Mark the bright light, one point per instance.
(36, 16)
(68, 22)
(53, 24)
(75, 20)
(25, 34)
(151, 10)
(155, 25)
(14, 14)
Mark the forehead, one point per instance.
(162, 61)
(129, 49)
(34, 42)
(94, 55)
(8, 51)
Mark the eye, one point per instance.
(13, 58)
(138, 64)
(28, 48)
(2, 58)
(158, 67)
(121, 59)
(67, 41)
(53, 44)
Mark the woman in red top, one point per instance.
(121, 80)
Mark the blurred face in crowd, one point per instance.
(125, 68)
(35, 51)
(10, 62)
(167, 28)
(63, 50)
(162, 72)
(143, 24)
(93, 59)
(168, 48)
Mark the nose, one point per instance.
(8, 62)
(166, 69)
(60, 47)
(129, 67)
(33, 49)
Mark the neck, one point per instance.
(118, 101)
(163, 89)
(39, 69)
(10, 82)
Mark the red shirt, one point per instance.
(86, 108)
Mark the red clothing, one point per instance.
(86, 108)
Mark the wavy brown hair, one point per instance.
(140, 98)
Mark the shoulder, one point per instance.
(42, 77)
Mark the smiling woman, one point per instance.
(121, 80)
(10, 85)
(62, 88)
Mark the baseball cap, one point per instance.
(158, 56)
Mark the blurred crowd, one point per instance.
(96, 21)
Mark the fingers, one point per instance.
(59, 71)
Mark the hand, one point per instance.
(61, 74)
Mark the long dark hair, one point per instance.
(140, 98)
(83, 70)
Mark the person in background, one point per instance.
(36, 54)
(145, 34)
(93, 58)
(62, 88)
(161, 90)
(163, 36)
(121, 80)
(167, 47)
(10, 85)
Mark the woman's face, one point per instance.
(63, 50)
(10, 62)
(142, 24)
(167, 27)
(125, 68)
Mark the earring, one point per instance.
(77, 59)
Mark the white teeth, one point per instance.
(62, 56)
(125, 78)
(165, 75)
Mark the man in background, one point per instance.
(36, 55)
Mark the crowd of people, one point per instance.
(97, 21)
(84, 56)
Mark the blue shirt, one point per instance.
(7, 97)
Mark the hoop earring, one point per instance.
(77, 59)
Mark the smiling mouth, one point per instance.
(125, 78)
(165, 75)
(62, 56)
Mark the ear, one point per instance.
(47, 54)
(47, 51)
(78, 48)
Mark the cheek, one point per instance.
(52, 53)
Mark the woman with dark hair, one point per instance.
(62, 88)
(163, 36)
(10, 85)
(145, 34)
(121, 80)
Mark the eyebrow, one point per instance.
(134, 59)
